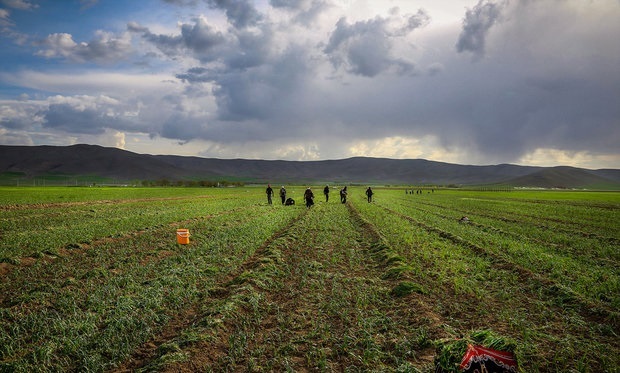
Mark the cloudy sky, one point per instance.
(531, 82)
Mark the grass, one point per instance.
(99, 283)
(539, 310)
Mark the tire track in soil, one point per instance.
(593, 312)
(296, 304)
(144, 355)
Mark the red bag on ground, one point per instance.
(481, 359)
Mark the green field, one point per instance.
(94, 280)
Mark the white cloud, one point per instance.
(104, 48)
(91, 82)
(19, 4)
(297, 151)
(5, 21)
(548, 157)
(110, 138)
(403, 147)
(9, 137)
(18, 115)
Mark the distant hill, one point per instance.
(29, 162)
(37, 161)
(565, 177)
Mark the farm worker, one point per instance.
(269, 192)
(343, 195)
(283, 194)
(309, 197)
(369, 194)
(326, 192)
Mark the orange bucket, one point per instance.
(183, 236)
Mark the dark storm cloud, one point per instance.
(362, 48)
(268, 91)
(249, 75)
(546, 83)
(196, 75)
(481, 108)
(291, 4)
(65, 117)
(476, 25)
(85, 115)
(546, 75)
(137, 28)
(200, 38)
(16, 123)
(241, 97)
(251, 48)
(182, 2)
(305, 11)
(240, 13)
(263, 95)
(170, 45)
(561, 94)
(365, 47)
(238, 49)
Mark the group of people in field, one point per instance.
(419, 191)
(309, 195)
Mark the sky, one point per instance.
(529, 82)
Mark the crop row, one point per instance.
(316, 297)
(588, 266)
(27, 197)
(562, 240)
(475, 285)
(31, 232)
(88, 309)
(594, 218)
(356, 287)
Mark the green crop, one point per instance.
(94, 280)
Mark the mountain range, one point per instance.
(28, 162)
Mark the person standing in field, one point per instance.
(343, 195)
(326, 192)
(283, 194)
(309, 197)
(369, 194)
(269, 192)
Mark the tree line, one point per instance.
(191, 183)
